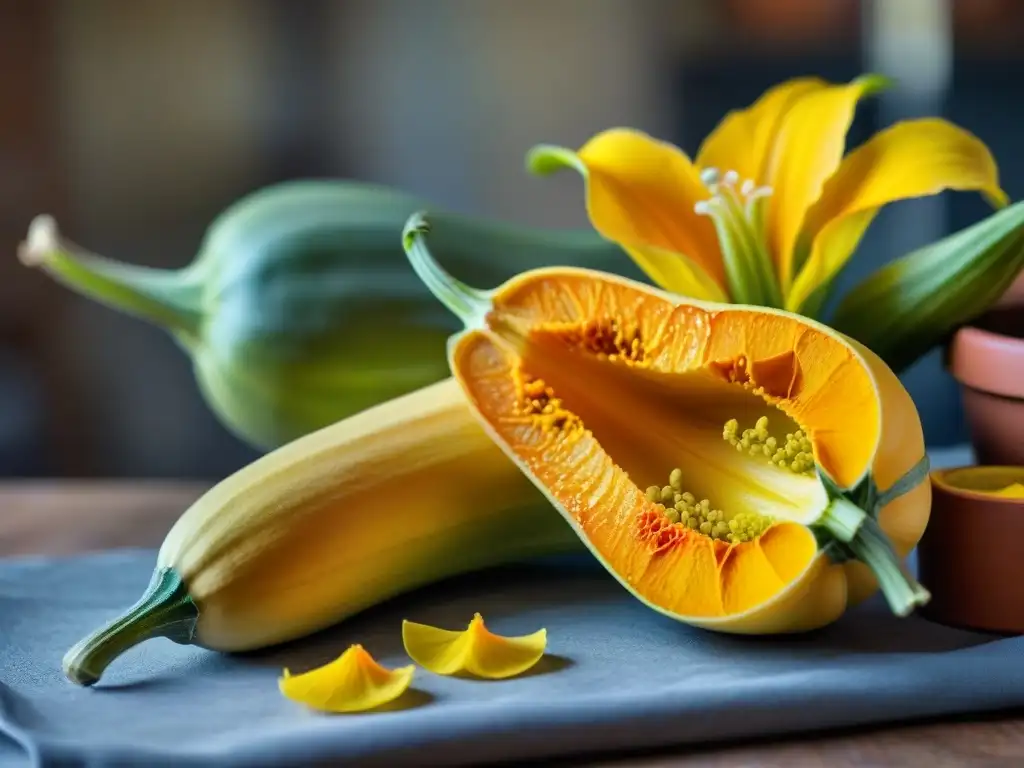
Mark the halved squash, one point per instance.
(738, 468)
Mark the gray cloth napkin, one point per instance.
(618, 676)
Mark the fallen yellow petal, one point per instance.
(353, 682)
(476, 649)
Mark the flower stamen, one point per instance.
(737, 211)
(709, 178)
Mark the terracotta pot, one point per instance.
(969, 557)
(987, 359)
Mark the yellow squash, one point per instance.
(403, 494)
(738, 468)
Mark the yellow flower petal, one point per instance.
(351, 683)
(914, 158)
(745, 139)
(808, 150)
(676, 273)
(640, 194)
(475, 650)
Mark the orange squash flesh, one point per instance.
(676, 568)
(598, 386)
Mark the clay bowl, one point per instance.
(987, 359)
(971, 557)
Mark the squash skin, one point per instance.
(314, 315)
(300, 308)
(353, 514)
(826, 588)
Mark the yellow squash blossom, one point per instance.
(770, 209)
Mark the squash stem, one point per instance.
(469, 304)
(844, 519)
(901, 590)
(169, 299)
(164, 610)
(867, 541)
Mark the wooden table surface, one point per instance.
(63, 518)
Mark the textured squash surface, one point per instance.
(671, 434)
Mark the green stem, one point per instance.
(468, 304)
(872, 547)
(843, 519)
(867, 541)
(164, 610)
(169, 299)
(546, 159)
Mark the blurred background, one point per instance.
(135, 122)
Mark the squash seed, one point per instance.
(795, 454)
(682, 508)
